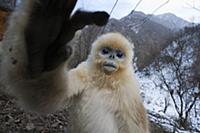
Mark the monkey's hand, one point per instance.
(50, 26)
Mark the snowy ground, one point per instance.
(154, 100)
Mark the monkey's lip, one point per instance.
(109, 67)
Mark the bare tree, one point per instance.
(175, 70)
(193, 5)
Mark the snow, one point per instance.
(155, 95)
(135, 29)
(171, 21)
(154, 100)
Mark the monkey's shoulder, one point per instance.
(80, 72)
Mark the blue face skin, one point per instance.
(112, 54)
(112, 57)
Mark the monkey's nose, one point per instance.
(112, 56)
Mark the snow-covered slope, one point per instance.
(155, 99)
(171, 21)
(168, 77)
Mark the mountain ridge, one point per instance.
(171, 21)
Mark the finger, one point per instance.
(100, 18)
(82, 18)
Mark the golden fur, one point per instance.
(107, 103)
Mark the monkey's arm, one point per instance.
(34, 51)
(52, 27)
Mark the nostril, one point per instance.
(111, 56)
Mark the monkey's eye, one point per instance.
(105, 51)
(119, 54)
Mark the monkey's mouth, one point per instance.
(109, 67)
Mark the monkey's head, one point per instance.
(111, 53)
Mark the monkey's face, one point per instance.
(111, 53)
(111, 59)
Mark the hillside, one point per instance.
(170, 21)
(151, 37)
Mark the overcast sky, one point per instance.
(181, 8)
